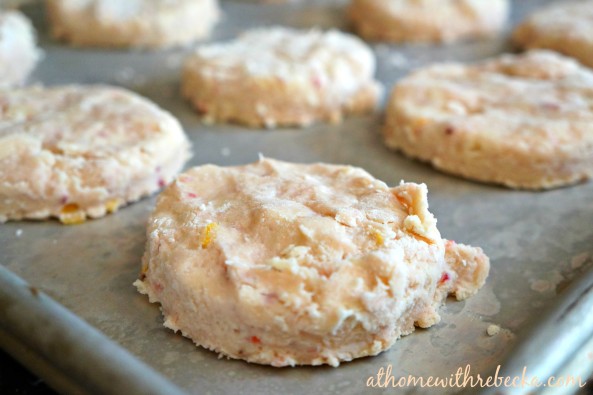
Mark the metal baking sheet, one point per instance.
(540, 243)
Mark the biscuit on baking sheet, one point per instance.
(279, 77)
(131, 23)
(75, 152)
(524, 121)
(18, 51)
(428, 20)
(291, 264)
(565, 27)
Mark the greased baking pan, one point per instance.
(540, 243)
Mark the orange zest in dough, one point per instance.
(420, 123)
(70, 208)
(421, 238)
(403, 202)
(209, 234)
(379, 239)
(71, 214)
(112, 205)
(144, 270)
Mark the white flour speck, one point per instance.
(493, 330)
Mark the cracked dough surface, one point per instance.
(524, 121)
(428, 20)
(289, 264)
(131, 23)
(279, 77)
(74, 152)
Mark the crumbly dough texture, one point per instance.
(75, 152)
(428, 20)
(289, 264)
(565, 27)
(131, 23)
(279, 76)
(523, 121)
(18, 51)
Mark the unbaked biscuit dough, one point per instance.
(522, 121)
(428, 20)
(289, 264)
(565, 27)
(75, 152)
(280, 77)
(131, 23)
(18, 51)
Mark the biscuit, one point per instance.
(522, 121)
(428, 20)
(131, 23)
(280, 77)
(290, 264)
(18, 51)
(565, 27)
(75, 152)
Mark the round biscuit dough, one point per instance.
(288, 264)
(131, 23)
(428, 20)
(524, 121)
(280, 76)
(75, 152)
(565, 27)
(18, 51)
